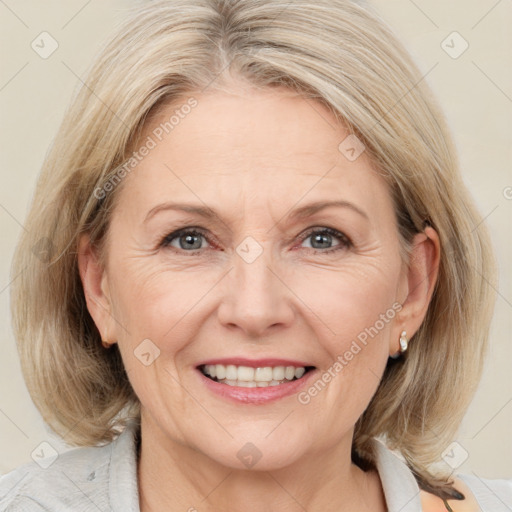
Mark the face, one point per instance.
(260, 275)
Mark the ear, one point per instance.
(420, 280)
(95, 284)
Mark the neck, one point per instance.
(175, 477)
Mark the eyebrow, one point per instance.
(298, 213)
(311, 209)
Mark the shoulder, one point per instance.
(491, 495)
(73, 479)
(83, 479)
(481, 495)
(402, 492)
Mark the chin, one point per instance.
(259, 454)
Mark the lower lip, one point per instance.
(256, 395)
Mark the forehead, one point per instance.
(259, 146)
(252, 128)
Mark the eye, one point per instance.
(189, 239)
(322, 240)
(194, 239)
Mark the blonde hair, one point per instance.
(337, 52)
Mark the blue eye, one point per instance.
(322, 239)
(193, 240)
(186, 240)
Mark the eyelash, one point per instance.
(345, 242)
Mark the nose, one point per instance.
(255, 298)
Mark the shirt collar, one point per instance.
(400, 487)
(401, 490)
(123, 482)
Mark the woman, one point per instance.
(261, 269)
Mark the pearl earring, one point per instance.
(403, 342)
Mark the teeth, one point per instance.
(278, 373)
(220, 371)
(299, 372)
(289, 373)
(231, 372)
(246, 376)
(245, 373)
(245, 384)
(263, 374)
(252, 384)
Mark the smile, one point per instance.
(250, 377)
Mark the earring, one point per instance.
(403, 342)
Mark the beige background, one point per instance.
(475, 89)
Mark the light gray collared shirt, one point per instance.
(104, 479)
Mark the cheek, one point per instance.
(154, 305)
(153, 300)
(356, 311)
(356, 302)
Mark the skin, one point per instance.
(431, 503)
(254, 157)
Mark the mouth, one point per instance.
(253, 377)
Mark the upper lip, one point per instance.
(255, 363)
